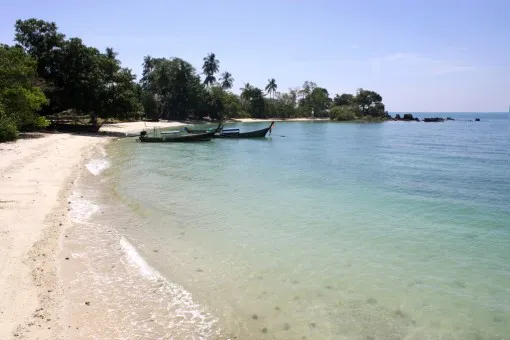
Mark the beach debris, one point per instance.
(254, 317)
(67, 258)
(199, 270)
(264, 330)
(277, 308)
(87, 303)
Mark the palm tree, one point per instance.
(210, 67)
(227, 81)
(271, 87)
(246, 91)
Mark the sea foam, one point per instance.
(182, 307)
(81, 209)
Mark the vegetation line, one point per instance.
(46, 74)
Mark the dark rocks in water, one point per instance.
(312, 325)
(408, 116)
(433, 120)
(477, 119)
(286, 326)
(277, 308)
(448, 118)
(255, 317)
(264, 330)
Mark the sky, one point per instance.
(421, 56)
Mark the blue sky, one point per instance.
(447, 55)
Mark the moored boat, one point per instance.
(235, 133)
(176, 138)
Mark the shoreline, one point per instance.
(37, 176)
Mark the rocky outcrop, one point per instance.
(433, 120)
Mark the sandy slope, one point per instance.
(35, 177)
(136, 127)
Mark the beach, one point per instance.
(36, 177)
(370, 232)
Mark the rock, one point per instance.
(448, 118)
(397, 117)
(477, 119)
(408, 117)
(433, 120)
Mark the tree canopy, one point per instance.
(47, 73)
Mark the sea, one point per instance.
(322, 230)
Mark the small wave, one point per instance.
(97, 165)
(181, 306)
(81, 209)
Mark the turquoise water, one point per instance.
(336, 231)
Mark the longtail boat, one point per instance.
(177, 138)
(235, 133)
(217, 129)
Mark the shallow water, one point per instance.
(335, 231)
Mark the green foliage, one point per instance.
(227, 81)
(271, 87)
(343, 113)
(254, 101)
(370, 103)
(80, 78)
(315, 101)
(8, 130)
(19, 99)
(343, 99)
(211, 66)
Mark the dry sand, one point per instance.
(136, 127)
(36, 176)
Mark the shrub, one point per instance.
(342, 113)
(8, 130)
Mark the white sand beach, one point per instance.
(36, 175)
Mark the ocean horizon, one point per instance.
(324, 230)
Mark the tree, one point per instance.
(41, 40)
(271, 87)
(210, 67)
(370, 103)
(254, 97)
(19, 98)
(343, 99)
(227, 81)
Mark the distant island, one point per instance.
(46, 76)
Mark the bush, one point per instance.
(342, 113)
(38, 123)
(8, 131)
